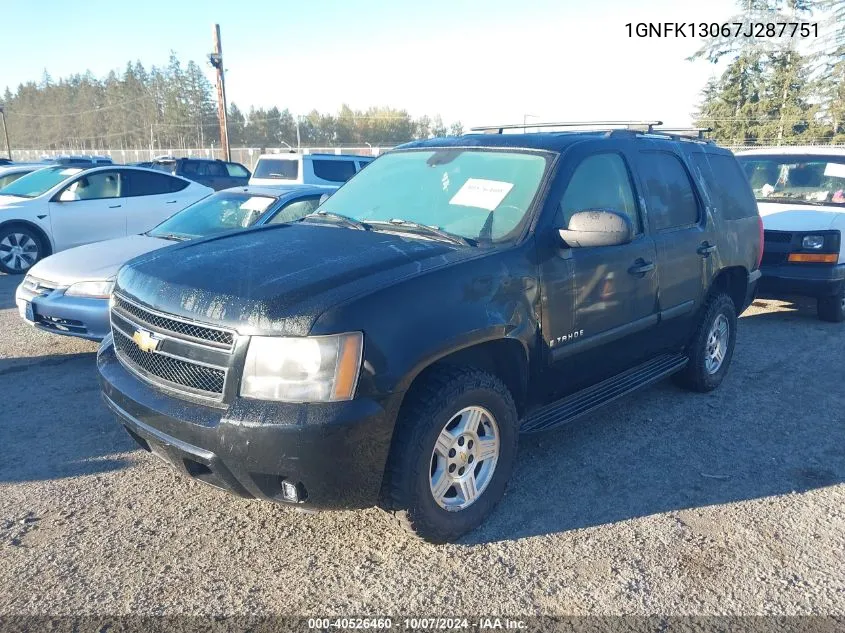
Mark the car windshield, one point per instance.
(39, 182)
(277, 168)
(222, 211)
(796, 178)
(476, 194)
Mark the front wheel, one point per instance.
(712, 345)
(832, 308)
(453, 452)
(20, 248)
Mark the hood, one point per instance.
(278, 279)
(94, 262)
(798, 217)
(9, 200)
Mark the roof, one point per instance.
(818, 150)
(280, 190)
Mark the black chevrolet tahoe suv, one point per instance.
(217, 174)
(389, 348)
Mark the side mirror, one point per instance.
(324, 197)
(597, 228)
(68, 196)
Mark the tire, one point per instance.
(20, 249)
(832, 308)
(702, 374)
(430, 408)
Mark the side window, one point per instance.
(191, 168)
(216, 169)
(147, 183)
(668, 191)
(295, 210)
(96, 186)
(602, 182)
(727, 184)
(334, 170)
(237, 171)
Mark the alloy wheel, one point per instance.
(18, 251)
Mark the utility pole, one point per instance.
(216, 59)
(5, 131)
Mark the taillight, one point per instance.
(762, 240)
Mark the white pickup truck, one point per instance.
(800, 193)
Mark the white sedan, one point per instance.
(61, 207)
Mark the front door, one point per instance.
(600, 303)
(91, 209)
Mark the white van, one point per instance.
(308, 169)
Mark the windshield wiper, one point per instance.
(343, 220)
(429, 230)
(814, 203)
(175, 237)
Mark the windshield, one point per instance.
(277, 168)
(476, 194)
(38, 182)
(796, 178)
(222, 211)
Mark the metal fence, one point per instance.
(247, 156)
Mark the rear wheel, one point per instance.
(712, 346)
(453, 452)
(832, 308)
(20, 249)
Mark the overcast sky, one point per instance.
(489, 61)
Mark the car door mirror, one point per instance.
(323, 198)
(597, 228)
(68, 196)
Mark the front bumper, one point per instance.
(334, 453)
(58, 313)
(810, 280)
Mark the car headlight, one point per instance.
(306, 369)
(94, 289)
(814, 242)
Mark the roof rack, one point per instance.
(695, 133)
(585, 126)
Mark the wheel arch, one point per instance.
(41, 233)
(733, 281)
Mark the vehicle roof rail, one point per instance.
(692, 133)
(581, 126)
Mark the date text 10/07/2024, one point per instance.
(723, 29)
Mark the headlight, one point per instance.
(308, 369)
(814, 242)
(95, 289)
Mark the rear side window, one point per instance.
(278, 168)
(214, 169)
(334, 170)
(600, 182)
(728, 187)
(190, 168)
(147, 183)
(237, 171)
(669, 193)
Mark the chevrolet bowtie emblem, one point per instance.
(145, 341)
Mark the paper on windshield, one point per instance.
(837, 170)
(481, 193)
(257, 203)
(70, 171)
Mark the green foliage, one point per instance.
(175, 107)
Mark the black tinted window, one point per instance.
(599, 182)
(277, 168)
(729, 189)
(334, 170)
(214, 169)
(147, 183)
(190, 168)
(668, 191)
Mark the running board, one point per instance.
(589, 399)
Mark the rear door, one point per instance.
(216, 175)
(685, 241)
(238, 175)
(90, 209)
(152, 197)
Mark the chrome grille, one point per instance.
(35, 287)
(189, 358)
(179, 327)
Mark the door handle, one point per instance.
(114, 206)
(641, 267)
(705, 248)
(171, 202)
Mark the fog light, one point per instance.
(289, 492)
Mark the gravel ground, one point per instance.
(667, 503)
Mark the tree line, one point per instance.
(771, 92)
(176, 107)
